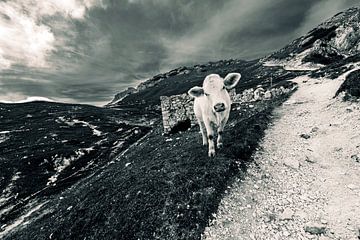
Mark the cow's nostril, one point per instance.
(219, 107)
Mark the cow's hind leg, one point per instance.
(203, 132)
(210, 138)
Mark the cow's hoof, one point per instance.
(220, 145)
(205, 143)
(211, 153)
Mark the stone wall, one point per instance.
(259, 94)
(178, 113)
(177, 109)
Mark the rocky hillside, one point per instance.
(77, 171)
(331, 41)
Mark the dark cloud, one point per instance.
(115, 44)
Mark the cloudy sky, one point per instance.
(85, 51)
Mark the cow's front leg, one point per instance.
(210, 138)
(219, 142)
(203, 132)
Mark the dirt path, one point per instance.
(305, 176)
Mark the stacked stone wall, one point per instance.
(176, 109)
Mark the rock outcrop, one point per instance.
(335, 39)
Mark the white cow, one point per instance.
(212, 106)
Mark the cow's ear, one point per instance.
(231, 80)
(196, 91)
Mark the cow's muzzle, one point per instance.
(219, 107)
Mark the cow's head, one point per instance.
(215, 90)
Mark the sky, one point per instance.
(85, 51)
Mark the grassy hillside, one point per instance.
(162, 188)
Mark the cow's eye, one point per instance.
(223, 88)
(206, 94)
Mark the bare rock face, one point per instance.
(323, 53)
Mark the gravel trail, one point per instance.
(304, 182)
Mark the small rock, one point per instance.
(256, 186)
(314, 129)
(286, 233)
(323, 221)
(349, 109)
(305, 136)
(269, 218)
(338, 149)
(352, 186)
(287, 214)
(356, 158)
(335, 124)
(310, 159)
(168, 140)
(226, 223)
(315, 228)
(293, 163)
